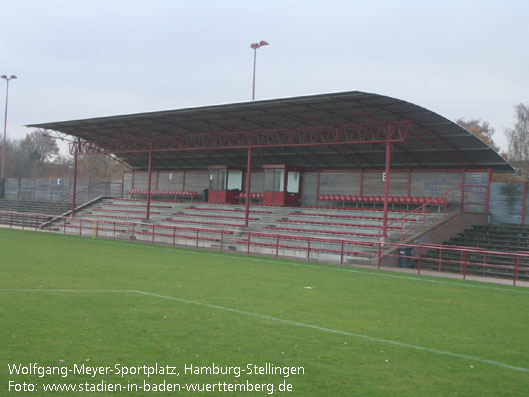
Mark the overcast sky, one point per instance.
(88, 58)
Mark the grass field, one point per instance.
(66, 301)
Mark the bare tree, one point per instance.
(518, 136)
(481, 129)
(99, 166)
(31, 155)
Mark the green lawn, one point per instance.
(66, 301)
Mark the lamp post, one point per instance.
(5, 123)
(255, 46)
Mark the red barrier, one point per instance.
(468, 259)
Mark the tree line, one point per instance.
(517, 152)
(38, 155)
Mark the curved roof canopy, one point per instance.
(346, 130)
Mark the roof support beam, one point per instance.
(322, 136)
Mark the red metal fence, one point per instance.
(462, 260)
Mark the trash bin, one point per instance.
(205, 194)
(405, 257)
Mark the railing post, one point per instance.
(196, 244)
(148, 210)
(341, 254)
(440, 260)
(464, 265)
(277, 246)
(64, 226)
(248, 248)
(386, 189)
(152, 235)
(308, 249)
(74, 182)
(221, 239)
(515, 273)
(114, 230)
(484, 263)
(80, 226)
(248, 191)
(174, 236)
(419, 260)
(379, 255)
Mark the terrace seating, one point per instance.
(492, 238)
(119, 217)
(347, 217)
(163, 193)
(323, 232)
(253, 196)
(336, 225)
(185, 221)
(209, 216)
(36, 206)
(418, 200)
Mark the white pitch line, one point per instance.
(284, 321)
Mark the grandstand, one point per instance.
(345, 177)
(490, 243)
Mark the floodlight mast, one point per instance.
(5, 122)
(255, 46)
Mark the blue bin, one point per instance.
(405, 257)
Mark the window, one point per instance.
(274, 180)
(217, 180)
(234, 180)
(293, 182)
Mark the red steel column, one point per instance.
(487, 193)
(463, 190)
(149, 188)
(386, 190)
(248, 179)
(409, 182)
(317, 188)
(524, 201)
(74, 183)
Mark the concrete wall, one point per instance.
(401, 183)
(506, 202)
(56, 189)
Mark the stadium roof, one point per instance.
(345, 130)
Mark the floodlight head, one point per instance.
(255, 46)
(13, 77)
(3, 77)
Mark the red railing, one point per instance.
(457, 259)
(458, 197)
(87, 192)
